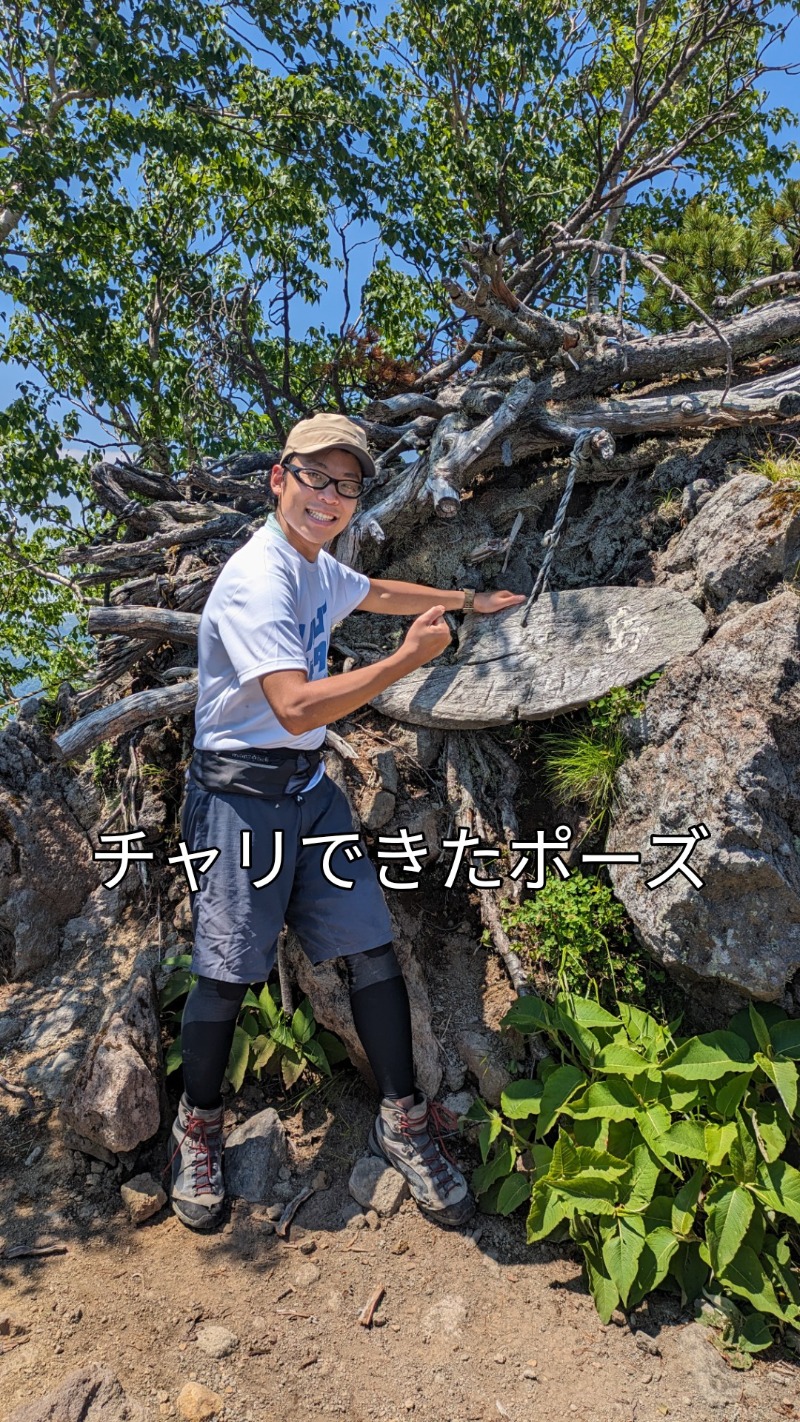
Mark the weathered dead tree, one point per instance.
(540, 385)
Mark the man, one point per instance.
(257, 779)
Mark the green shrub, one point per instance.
(265, 1037)
(575, 934)
(663, 1158)
(105, 759)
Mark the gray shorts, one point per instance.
(236, 926)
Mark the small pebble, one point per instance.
(307, 1246)
(371, 1217)
(34, 1155)
(499, 1357)
(529, 1373)
(274, 1212)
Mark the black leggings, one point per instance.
(381, 1013)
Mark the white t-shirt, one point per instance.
(269, 610)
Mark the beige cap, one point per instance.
(330, 432)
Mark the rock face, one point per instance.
(90, 1394)
(745, 538)
(114, 1098)
(576, 647)
(46, 866)
(723, 748)
(254, 1153)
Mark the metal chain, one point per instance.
(587, 444)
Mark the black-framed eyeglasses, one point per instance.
(315, 479)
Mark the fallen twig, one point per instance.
(368, 1311)
(33, 1251)
(282, 1227)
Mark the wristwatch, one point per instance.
(469, 599)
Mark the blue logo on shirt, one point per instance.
(316, 643)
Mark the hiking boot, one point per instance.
(403, 1136)
(198, 1189)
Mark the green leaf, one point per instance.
(760, 1029)
(174, 1057)
(727, 1222)
(786, 1038)
(528, 1014)
(479, 1111)
(333, 1047)
(292, 1065)
(620, 1060)
(728, 1095)
(748, 1280)
(743, 1157)
(176, 986)
(622, 1249)
(719, 1140)
(690, 1270)
(604, 1290)
(778, 1187)
(685, 1138)
(558, 1089)
(754, 1334)
(783, 1075)
(643, 1180)
(303, 1023)
(266, 1053)
(239, 1057)
(283, 1033)
(612, 1100)
(269, 1006)
(514, 1191)
(654, 1122)
(250, 999)
(522, 1099)
(488, 1134)
(586, 1011)
(659, 1247)
(772, 1127)
(708, 1057)
(314, 1052)
(502, 1164)
(684, 1206)
(548, 1209)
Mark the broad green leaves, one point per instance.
(660, 1156)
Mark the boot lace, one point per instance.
(204, 1139)
(426, 1138)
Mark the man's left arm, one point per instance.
(410, 599)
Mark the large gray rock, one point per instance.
(745, 538)
(723, 749)
(114, 1098)
(254, 1153)
(46, 865)
(89, 1394)
(576, 646)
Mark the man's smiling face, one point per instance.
(311, 517)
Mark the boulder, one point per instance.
(744, 539)
(482, 1054)
(114, 1098)
(89, 1394)
(723, 749)
(254, 1153)
(46, 866)
(576, 646)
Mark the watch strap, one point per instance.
(469, 599)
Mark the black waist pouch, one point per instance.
(254, 772)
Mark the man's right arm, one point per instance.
(301, 705)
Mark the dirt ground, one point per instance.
(472, 1325)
